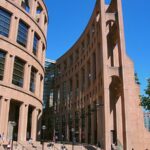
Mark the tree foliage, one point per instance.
(145, 99)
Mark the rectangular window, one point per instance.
(4, 22)
(22, 33)
(35, 44)
(18, 72)
(33, 79)
(2, 64)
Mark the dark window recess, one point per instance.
(33, 79)
(18, 72)
(22, 34)
(4, 22)
(25, 5)
(2, 64)
(35, 44)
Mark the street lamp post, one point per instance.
(73, 137)
(43, 129)
(13, 123)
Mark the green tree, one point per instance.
(145, 99)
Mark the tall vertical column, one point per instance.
(42, 18)
(41, 86)
(37, 84)
(43, 57)
(4, 115)
(33, 7)
(23, 117)
(86, 126)
(34, 124)
(98, 122)
(93, 121)
(91, 69)
(30, 40)
(27, 74)
(13, 28)
(80, 127)
(119, 120)
(67, 128)
(8, 71)
(125, 96)
(86, 76)
(40, 50)
(106, 78)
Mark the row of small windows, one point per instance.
(83, 46)
(26, 6)
(23, 28)
(18, 72)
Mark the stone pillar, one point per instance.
(34, 124)
(4, 115)
(119, 120)
(13, 31)
(86, 126)
(98, 122)
(41, 87)
(45, 30)
(30, 40)
(40, 51)
(33, 7)
(43, 57)
(23, 119)
(86, 76)
(42, 18)
(80, 127)
(27, 74)
(91, 68)
(93, 126)
(67, 128)
(8, 71)
(37, 84)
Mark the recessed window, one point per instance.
(33, 79)
(38, 12)
(2, 64)
(35, 44)
(4, 22)
(18, 72)
(25, 5)
(22, 33)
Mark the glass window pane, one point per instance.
(33, 79)
(4, 22)
(18, 72)
(22, 34)
(2, 64)
(35, 44)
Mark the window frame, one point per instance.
(22, 39)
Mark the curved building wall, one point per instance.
(23, 27)
(95, 89)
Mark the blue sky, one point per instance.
(68, 19)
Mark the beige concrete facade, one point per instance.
(20, 104)
(95, 86)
